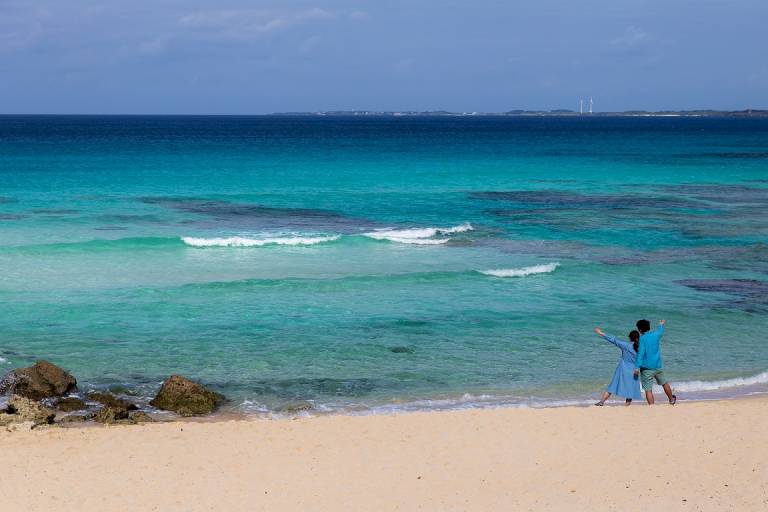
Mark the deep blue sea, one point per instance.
(376, 264)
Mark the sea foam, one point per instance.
(418, 236)
(237, 241)
(715, 385)
(521, 272)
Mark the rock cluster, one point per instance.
(43, 380)
(24, 410)
(48, 383)
(70, 404)
(186, 398)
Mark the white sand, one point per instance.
(695, 456)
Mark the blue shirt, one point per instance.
(649, 352)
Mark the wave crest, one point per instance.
(714, 385)
(418, 236)
(521, 272)
(237, 241)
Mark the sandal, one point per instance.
(674, 400)
(600, 403)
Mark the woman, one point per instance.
(624, 383)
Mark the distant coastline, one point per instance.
(532, 113)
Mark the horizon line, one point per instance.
(413, 113)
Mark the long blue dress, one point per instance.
(624, 383)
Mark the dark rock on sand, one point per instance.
(110, 400)
(109, 415)
(21, 409)
(69, 404)
(74, 418)
(401, 350)
(186, 398)
(43, 380)
(117, 416)
(141, 417)
(296, 407)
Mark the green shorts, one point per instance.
(647, 376)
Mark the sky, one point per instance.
(255, 57)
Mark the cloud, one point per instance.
(21, 25)
(359, 15)
(636, 42)
(309, 44)
(632, 38)
(247, 24)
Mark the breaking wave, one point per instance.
(521, 272)
(237, 241)
(715, 385)
(418, 236)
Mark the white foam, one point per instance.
(237, 241)
(521, 272)
(2, 360)
(418, 236)
(714, 385)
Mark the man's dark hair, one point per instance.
(643, 325)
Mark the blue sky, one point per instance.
(250, 57)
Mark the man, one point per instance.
(648, 363)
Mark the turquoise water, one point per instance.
(377, 263)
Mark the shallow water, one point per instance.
(371, 264)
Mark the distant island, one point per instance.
(535, 113)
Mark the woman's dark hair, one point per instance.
(643, 325)
(634, 337)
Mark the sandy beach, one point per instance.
(694, 456)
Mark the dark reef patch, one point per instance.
(54, 211)
(565, 200)
(131, 218)
(719, 193)
(743, 287)
(752, 293)
(258, 216)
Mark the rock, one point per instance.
(6, 419)
(401, 350)
(110, 400)
(121, 390)
(109, 415)
(43, 380)
(21, 427)
(23, 409)
(141, 417)
(69, 404)
(186, 398)
(73, 418)
(296, 407)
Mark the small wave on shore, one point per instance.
(418, 236)
(521, 272)
(693, 386)
(237, 241)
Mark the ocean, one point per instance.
(377, 264)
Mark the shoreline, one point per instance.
(739, 388)
(696, 455)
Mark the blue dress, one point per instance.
(624, 383)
